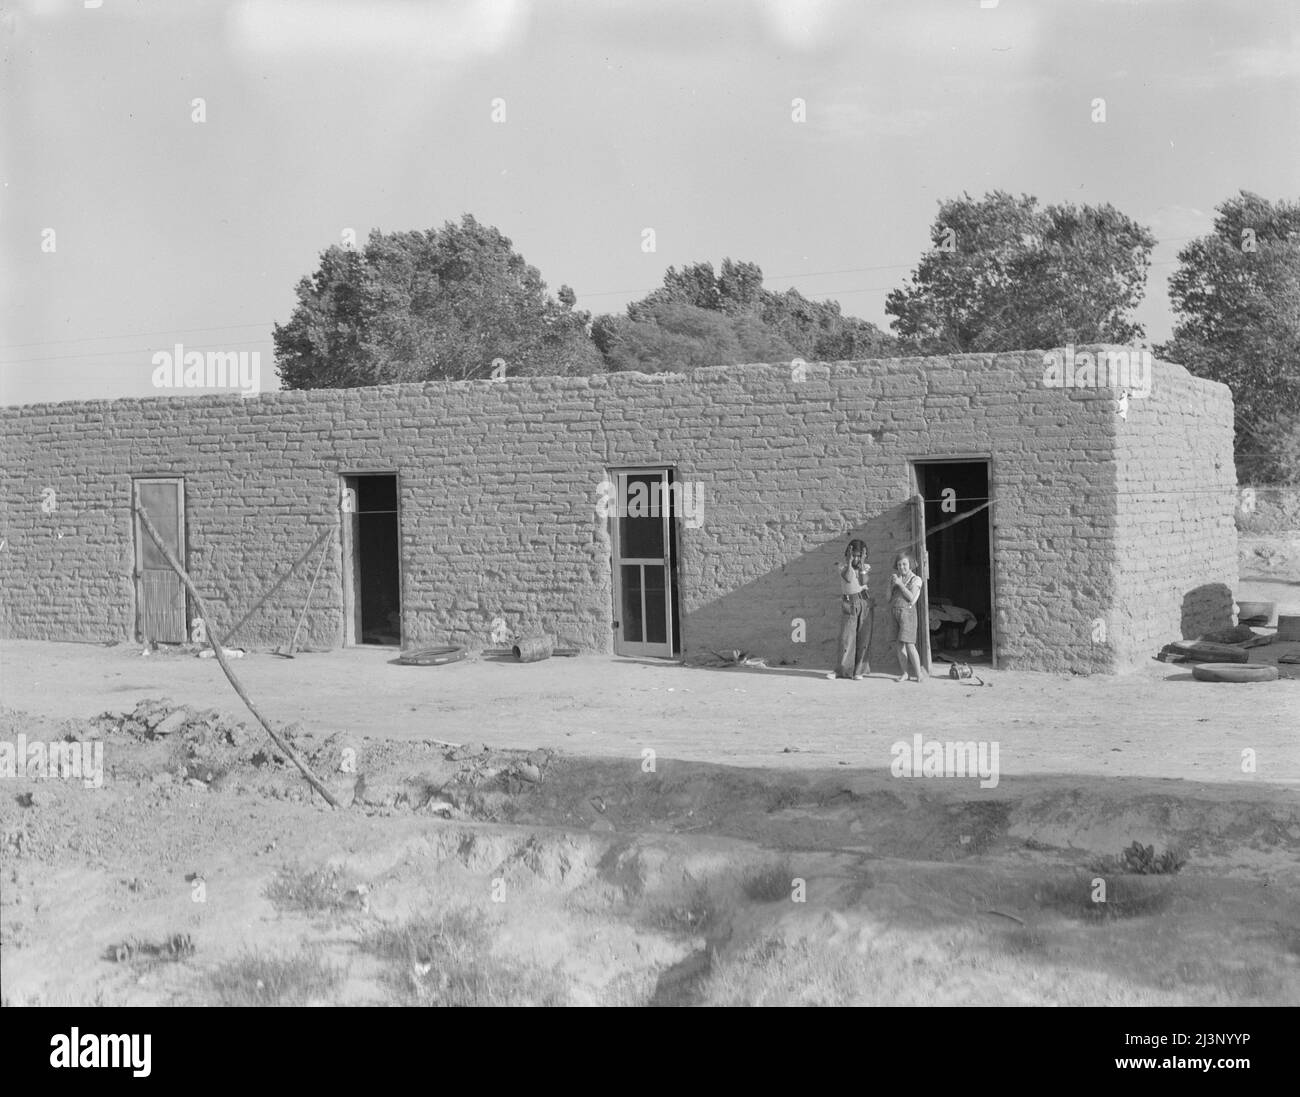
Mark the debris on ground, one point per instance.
(738, 658)
(203, 745)
(179, 946)
(1235, 634)
(1202, 651)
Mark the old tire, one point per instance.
(1234, 672)
(433, 657)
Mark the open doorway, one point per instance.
(959, 584)
(372, 577)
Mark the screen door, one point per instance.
(643, 563)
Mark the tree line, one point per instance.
(1002, 273)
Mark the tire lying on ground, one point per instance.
(433, 657)
(1234, 672)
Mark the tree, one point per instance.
(442, 304)
(1006, 275)
(670, 336)
(1237, 293)
(697, 318)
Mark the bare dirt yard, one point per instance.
(608, 831)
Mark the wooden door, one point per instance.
(160, 595)
(921, 558)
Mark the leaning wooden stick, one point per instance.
(174, 564)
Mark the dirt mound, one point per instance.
(199, 745)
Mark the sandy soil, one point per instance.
(763, 853)
(1156, 723)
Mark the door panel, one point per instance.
(643, 567)
(160, 595)
(922, 559)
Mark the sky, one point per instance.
(171, 169)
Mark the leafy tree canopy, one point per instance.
(1006, 275)
(442, 304)
(699, 318)
(1237, 295)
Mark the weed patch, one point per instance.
(258, 980)
(446, 960)
(319, 890)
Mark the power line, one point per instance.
(129, 350)
(129, 335)
(596, 293)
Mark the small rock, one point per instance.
(37, 798)
(172, 723)
(529, 772)
(194, 782)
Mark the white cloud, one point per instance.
(448, 30)
(804, 25)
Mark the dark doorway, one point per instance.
(372, 578)
(957, 539)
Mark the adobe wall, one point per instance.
(1176, 495)
(499, 486)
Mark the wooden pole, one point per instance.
(221, 659)
(329, 540)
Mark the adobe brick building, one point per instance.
(1073, 536)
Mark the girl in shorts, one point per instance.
(905, 589)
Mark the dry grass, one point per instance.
(770, 884)
(258, 980)
(446, 960)
(312, 890)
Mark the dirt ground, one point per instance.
(506, 836)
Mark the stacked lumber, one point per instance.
(1202, 651)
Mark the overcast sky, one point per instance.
(327, 115)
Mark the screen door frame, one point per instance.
(639, 645)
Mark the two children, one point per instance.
(857, 612)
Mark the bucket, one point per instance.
(1288, 628)
(530, 649)
(1255, 613)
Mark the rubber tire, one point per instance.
(1234, 672)
(433, 657)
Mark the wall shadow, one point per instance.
(763, 616)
